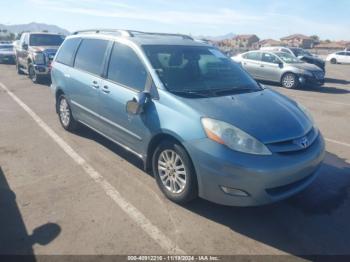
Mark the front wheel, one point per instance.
(174, 172)
(18, 68)
(65, 114)
(290, 81)
(333, 61)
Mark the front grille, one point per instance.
(296, 144)
(319, 75)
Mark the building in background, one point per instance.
(267, 42)
(243, 41)
(298, 40)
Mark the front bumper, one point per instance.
(266, 179)
(311, 80)
(42, 70)
(9, 59)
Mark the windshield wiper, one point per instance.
(186, 92)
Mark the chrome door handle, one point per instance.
(106, 90)
(95, 85)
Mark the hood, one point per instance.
(266, 115)
(306, 66)
(45, 49)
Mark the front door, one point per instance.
(126, 77)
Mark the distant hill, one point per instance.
(216, 38)
(38, 27)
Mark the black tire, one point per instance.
(334, 61)
(290, 81)
(18, 68)
(190, 190)
(71, 124)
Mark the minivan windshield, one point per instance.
(45, 40)
(288, 58)
(198, 71)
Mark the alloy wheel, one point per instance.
(172, 171)
(64, 112)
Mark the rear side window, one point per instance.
(90, 55)
(126, 68)
(67, 51)
(253, 56)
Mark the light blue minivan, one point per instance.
(198, 121)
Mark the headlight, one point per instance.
(306, 73)
(39, 58)
(233, 137)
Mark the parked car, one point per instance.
(280, 67)
(196, 119)
(342, 57)
(300, 53)
(35, 52)
(7, 54)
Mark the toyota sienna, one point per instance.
(198, 121)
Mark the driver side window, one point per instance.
(270, 58)
(126, 68)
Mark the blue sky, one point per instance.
(267, 18)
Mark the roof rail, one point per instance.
(128, 33)
(133, 32)
(97, 31)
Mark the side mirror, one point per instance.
(280, 64)
(25, 46)
(136, 105)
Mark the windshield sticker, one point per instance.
(217, 53)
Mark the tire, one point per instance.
(65, 114)
(175, 176)
(18, 68)
(289, 81)
(31, 74)
(334, 61)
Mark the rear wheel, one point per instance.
(289, 80)
(65, 114)
(174, 172)
(333, 61)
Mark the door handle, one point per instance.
(95, 85)
(106, 90)
(262, 66)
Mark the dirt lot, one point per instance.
(108, 205)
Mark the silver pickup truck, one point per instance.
(34, 54)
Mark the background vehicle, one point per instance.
(192, 115)
(280, 67)
(342, 57)
(7, 54)
(35, 52)
(300, 53)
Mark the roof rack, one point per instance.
(97, 31)
(133, 32)
(129, 33)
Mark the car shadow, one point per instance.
(316, 221)
(337, 81)
(86, 132)
(14, 238)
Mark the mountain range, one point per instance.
(34, 27)
(39, 27)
